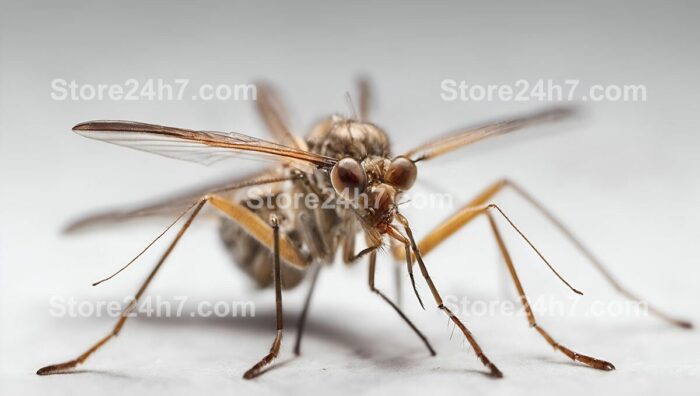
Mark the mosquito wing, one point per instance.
(205, 147)
(468, 136)
(274, 114)
(172, 205)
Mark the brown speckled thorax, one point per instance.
(339, 137)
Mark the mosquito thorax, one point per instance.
(340, 137)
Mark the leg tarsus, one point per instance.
(493, 370)
(408, 321)
(575, 356)
(411, 243)
(66, 366)
(587, 360)
(304, 312)
(583, 249)
(267, 359)
(409, 262)
(61, 368)
(274, 350)
(372, 270)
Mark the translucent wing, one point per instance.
(468, 136)
(172, 205)
(274, 114)
(205, 147)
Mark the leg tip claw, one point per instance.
(57, 368)
(52, 369)
(595, 363)
(607, 366)
(495, 372)
(684, 324)
(43, 371)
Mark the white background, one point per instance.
(623, 176)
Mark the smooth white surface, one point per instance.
(624, 177)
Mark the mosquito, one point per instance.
(341, 160)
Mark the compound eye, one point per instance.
(401, 173)
(348, 178)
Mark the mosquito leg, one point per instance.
(494, 371)
(274, 350)
(239, 213)
(304, 312)
(470, 213)
(591, 257)
(587, 360)
(372, 270)
(409, 262)
(467, 214)
(62, 367)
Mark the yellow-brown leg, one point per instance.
(471, 213)
(372, 270)
(587, 360)
(494, 371)
(281, 247)
(301, 325)
(592, 258)
(247, 219)
(62, 367)
(274, 350)
(468, 213)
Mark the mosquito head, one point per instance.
(374, 186)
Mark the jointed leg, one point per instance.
(274, 350)
(247, 219)
(372, 270)
(467, 214)
(408, 257)
(470, 213)
(494, 371)
(592, 258)
(305, 310)
(61, 367)
(587, 360)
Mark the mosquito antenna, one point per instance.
(394, 233)
(534, 248)
(351, 106)
(249, 183)
(403, 203)
(148, 246)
